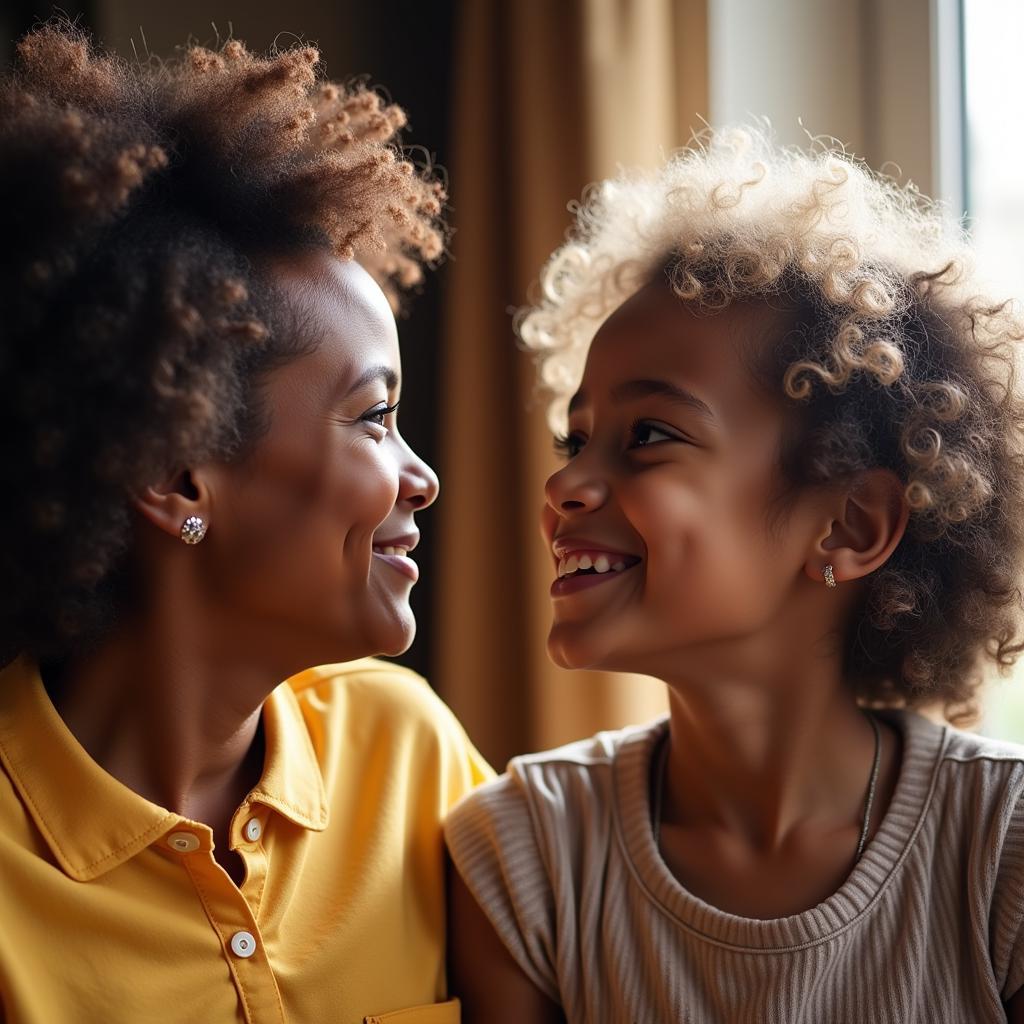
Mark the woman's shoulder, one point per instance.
(377, 705)
(381, 688)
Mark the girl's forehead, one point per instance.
(656, 337)
(655, 330)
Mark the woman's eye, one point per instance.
(568, 445)
(644, 434)
(379, 414)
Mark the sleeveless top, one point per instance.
(559, 852)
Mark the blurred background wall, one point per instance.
(525, 102)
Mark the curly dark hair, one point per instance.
(892, 357)
(138, 203)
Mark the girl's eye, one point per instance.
(644, 434)
(568, 445)
(379, 414)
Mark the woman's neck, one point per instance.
(161, 708)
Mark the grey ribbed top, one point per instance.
(929, 925)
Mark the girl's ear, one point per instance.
(868, 525)
(170, 502)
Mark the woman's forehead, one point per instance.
(344, 312)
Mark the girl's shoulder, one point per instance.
(534, 822)
(965, 747)
(579, 779)
(951, 777)
(982, 774)
(529, 844)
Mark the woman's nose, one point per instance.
(418, 484)
(575, 488)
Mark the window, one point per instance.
(993, 166)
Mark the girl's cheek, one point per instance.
(548, 523)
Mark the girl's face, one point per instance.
(309, 534)
(672, 456)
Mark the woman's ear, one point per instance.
(868, 524)
(170, 502)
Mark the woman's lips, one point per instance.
(401, 563)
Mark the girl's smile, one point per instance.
(581, 563)
(671, 460)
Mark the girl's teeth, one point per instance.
(600, 563)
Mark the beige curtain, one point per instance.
(549, 96)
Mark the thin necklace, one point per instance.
(659, 781)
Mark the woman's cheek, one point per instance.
(378, 484)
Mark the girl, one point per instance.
(205, 491)
(792, 491)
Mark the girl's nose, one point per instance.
(575, 488)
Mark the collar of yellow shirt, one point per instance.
(91, 821)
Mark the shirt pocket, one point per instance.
(431, 1013)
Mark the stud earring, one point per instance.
(830, 580)
(193, 530)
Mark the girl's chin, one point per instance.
(573, 655)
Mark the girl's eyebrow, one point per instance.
(643, 388)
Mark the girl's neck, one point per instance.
(759, 757)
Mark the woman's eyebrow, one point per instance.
(643, 388)
(375, 373)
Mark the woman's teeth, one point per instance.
(599, 563)
(391, 551)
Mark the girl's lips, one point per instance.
(568, 585)
(402, 563)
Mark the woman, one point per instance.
(205, 491)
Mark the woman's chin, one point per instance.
(397, 636)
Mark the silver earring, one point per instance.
(830, 580)
(193, 530)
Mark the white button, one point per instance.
(243, 944)
(253, 829)
(183, 842)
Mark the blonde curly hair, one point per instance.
(893, 357)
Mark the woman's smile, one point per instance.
(395, 553)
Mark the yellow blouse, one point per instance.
(114, 909)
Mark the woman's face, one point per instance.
(310, 533)
(672, 456)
